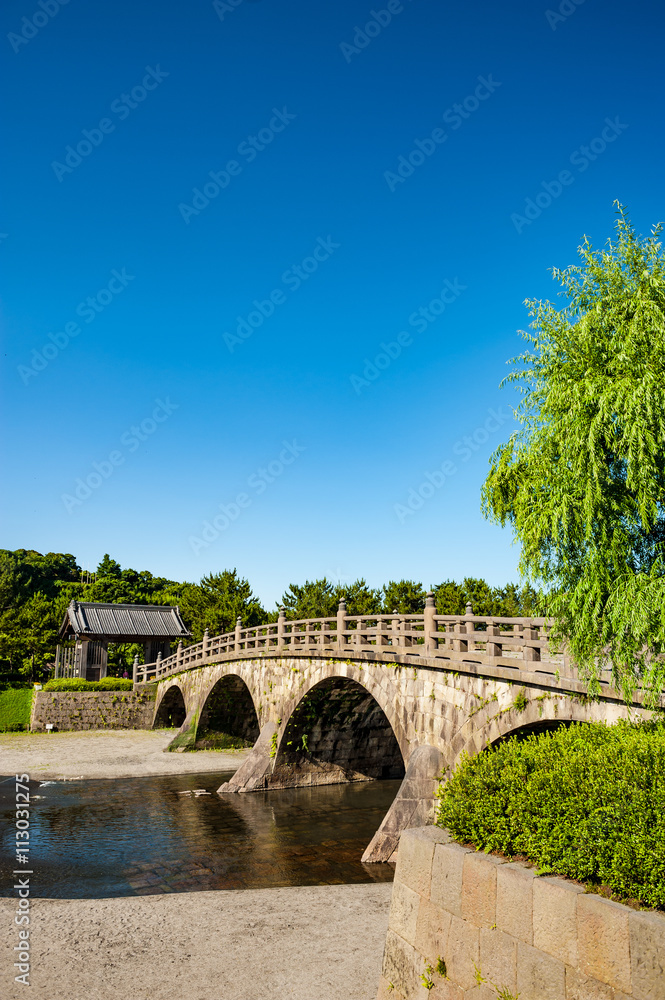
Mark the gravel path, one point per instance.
(119, 753)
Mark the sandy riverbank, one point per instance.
(119, 753)
(309, 943)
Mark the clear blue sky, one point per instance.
(179, 90)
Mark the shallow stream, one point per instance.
(173, 833)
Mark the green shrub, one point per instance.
(586, 802)
(78, 684)
(15, 705)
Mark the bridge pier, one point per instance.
(251, 775)
(414, 804)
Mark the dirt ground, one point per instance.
(119, 753)
(296, 943)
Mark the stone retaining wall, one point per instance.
(542, 938)
(92, 710)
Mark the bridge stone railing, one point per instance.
(517, 643)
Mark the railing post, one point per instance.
(493, 648)
(358, 635)
(206, 643)
(394, 628)
(238, 631)
(281, 628)
(429, 625)
(531, 653)
(135, 671)
(470, 627)
(158, 663)
(179, 654)
(341, 624)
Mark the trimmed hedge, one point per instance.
(586, 802)
(78, 684)
(15, 705)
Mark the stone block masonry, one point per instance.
(538, 938)
(77, 710)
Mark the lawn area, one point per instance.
(15, 704)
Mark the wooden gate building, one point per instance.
(88, 629)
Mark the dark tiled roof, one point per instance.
(129, 621)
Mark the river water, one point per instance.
(141, 836)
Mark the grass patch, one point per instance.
(586, 802)
(78, 684)
(15, 705)
(220, 741)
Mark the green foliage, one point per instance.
(217, 602)
(440, 968)
(426, 979)
(25, 572)
(320, 599)
(521, 701)
(15, 705)
(404, 596)
(28, 635)
(360, 598)
(314, 599)
(587, 802)
(510, 601)
(502, 993)
(78, 684)
(582, 482)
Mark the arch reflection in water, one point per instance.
(96, 839)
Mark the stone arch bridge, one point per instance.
(356, 698)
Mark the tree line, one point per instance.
(35, 590)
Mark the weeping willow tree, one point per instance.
(582, 480)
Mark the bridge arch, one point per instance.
(541, 712)
(171, 710)
(228, 714)
(338, 731)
